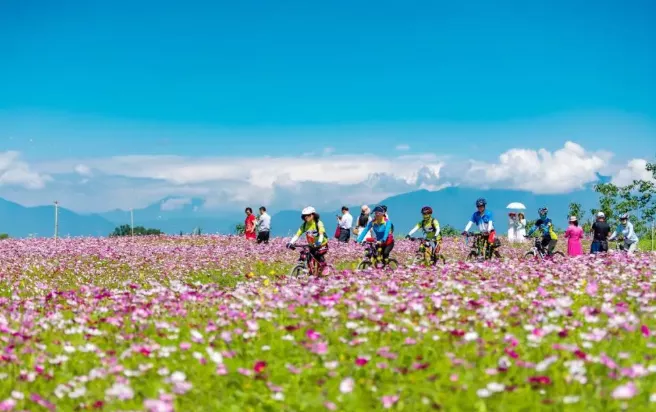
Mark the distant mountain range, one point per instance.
(452, 206)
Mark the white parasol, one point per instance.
(516, 206)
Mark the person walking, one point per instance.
(520, 229)
(249, 224)
(363, 219)
(345, 223)
(600, 232)
(574, 234)
(512, 227)
(263, 226)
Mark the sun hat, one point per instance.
(573, 218)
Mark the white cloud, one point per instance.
(540, 171)
(402, 147)
(229, 183)
(175, 203)
(636, 169)
(15, 172)
(83, 170)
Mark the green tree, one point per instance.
(449, 231)
(636, 198)
(240, 229)
(126, 230)
(4, 236)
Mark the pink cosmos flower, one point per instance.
(389, 401)
(346, 386)
(627, 391)
(259, 366)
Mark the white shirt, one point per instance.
(346, 221)
(264, 222)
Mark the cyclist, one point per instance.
(549, 236)
(381, 228)
(430, 226)
(387, 218)
(315, 234)
(483, 219)
(625, 229)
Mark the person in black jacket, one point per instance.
(600, 232)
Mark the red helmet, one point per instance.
(426, 210)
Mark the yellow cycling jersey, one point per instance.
(430, 227)
(312, 231)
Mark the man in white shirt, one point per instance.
(345, 223)
(263, 226)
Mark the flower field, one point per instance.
(213, 323)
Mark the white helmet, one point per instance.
(601, 214)
(365, 208)
(308, 211)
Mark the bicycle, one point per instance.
(307, 264)
(373, 256)
(427, 252)
(481, 248)
(539, 251)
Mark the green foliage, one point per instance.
(240, 229)
(449, 231)
(125, 230)
(636, 198)
(4, 236)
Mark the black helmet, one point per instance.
(426, 210)
(481, 202)
(384, 208)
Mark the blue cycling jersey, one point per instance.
(381, 230)
(484, 221)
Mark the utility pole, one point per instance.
(132, 222)
(56, 218)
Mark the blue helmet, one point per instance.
(543, 211)
(378, 209)
(481, 202)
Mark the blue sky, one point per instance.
(90, 79)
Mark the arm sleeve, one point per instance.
(615, 233)
(388, 224)
(414, 229)
(437, 228)
(322, 231)
(469, 225)
(364, 232)
(490, 226)
(298, 234)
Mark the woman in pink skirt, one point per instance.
(574, 234)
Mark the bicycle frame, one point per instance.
(480, 245)
(373, 251)
(426, 244)
(306, 258)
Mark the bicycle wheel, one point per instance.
(392, 264)
(557, 256)
(297, 270)
(439, 259)
(417, 259)
(530, 255)
(364, 265)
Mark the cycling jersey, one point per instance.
(382, 231)
(430, 227)
(315, 233)
(546, 226)
(483, 221)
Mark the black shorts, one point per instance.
(344, 235)
(263, 236)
